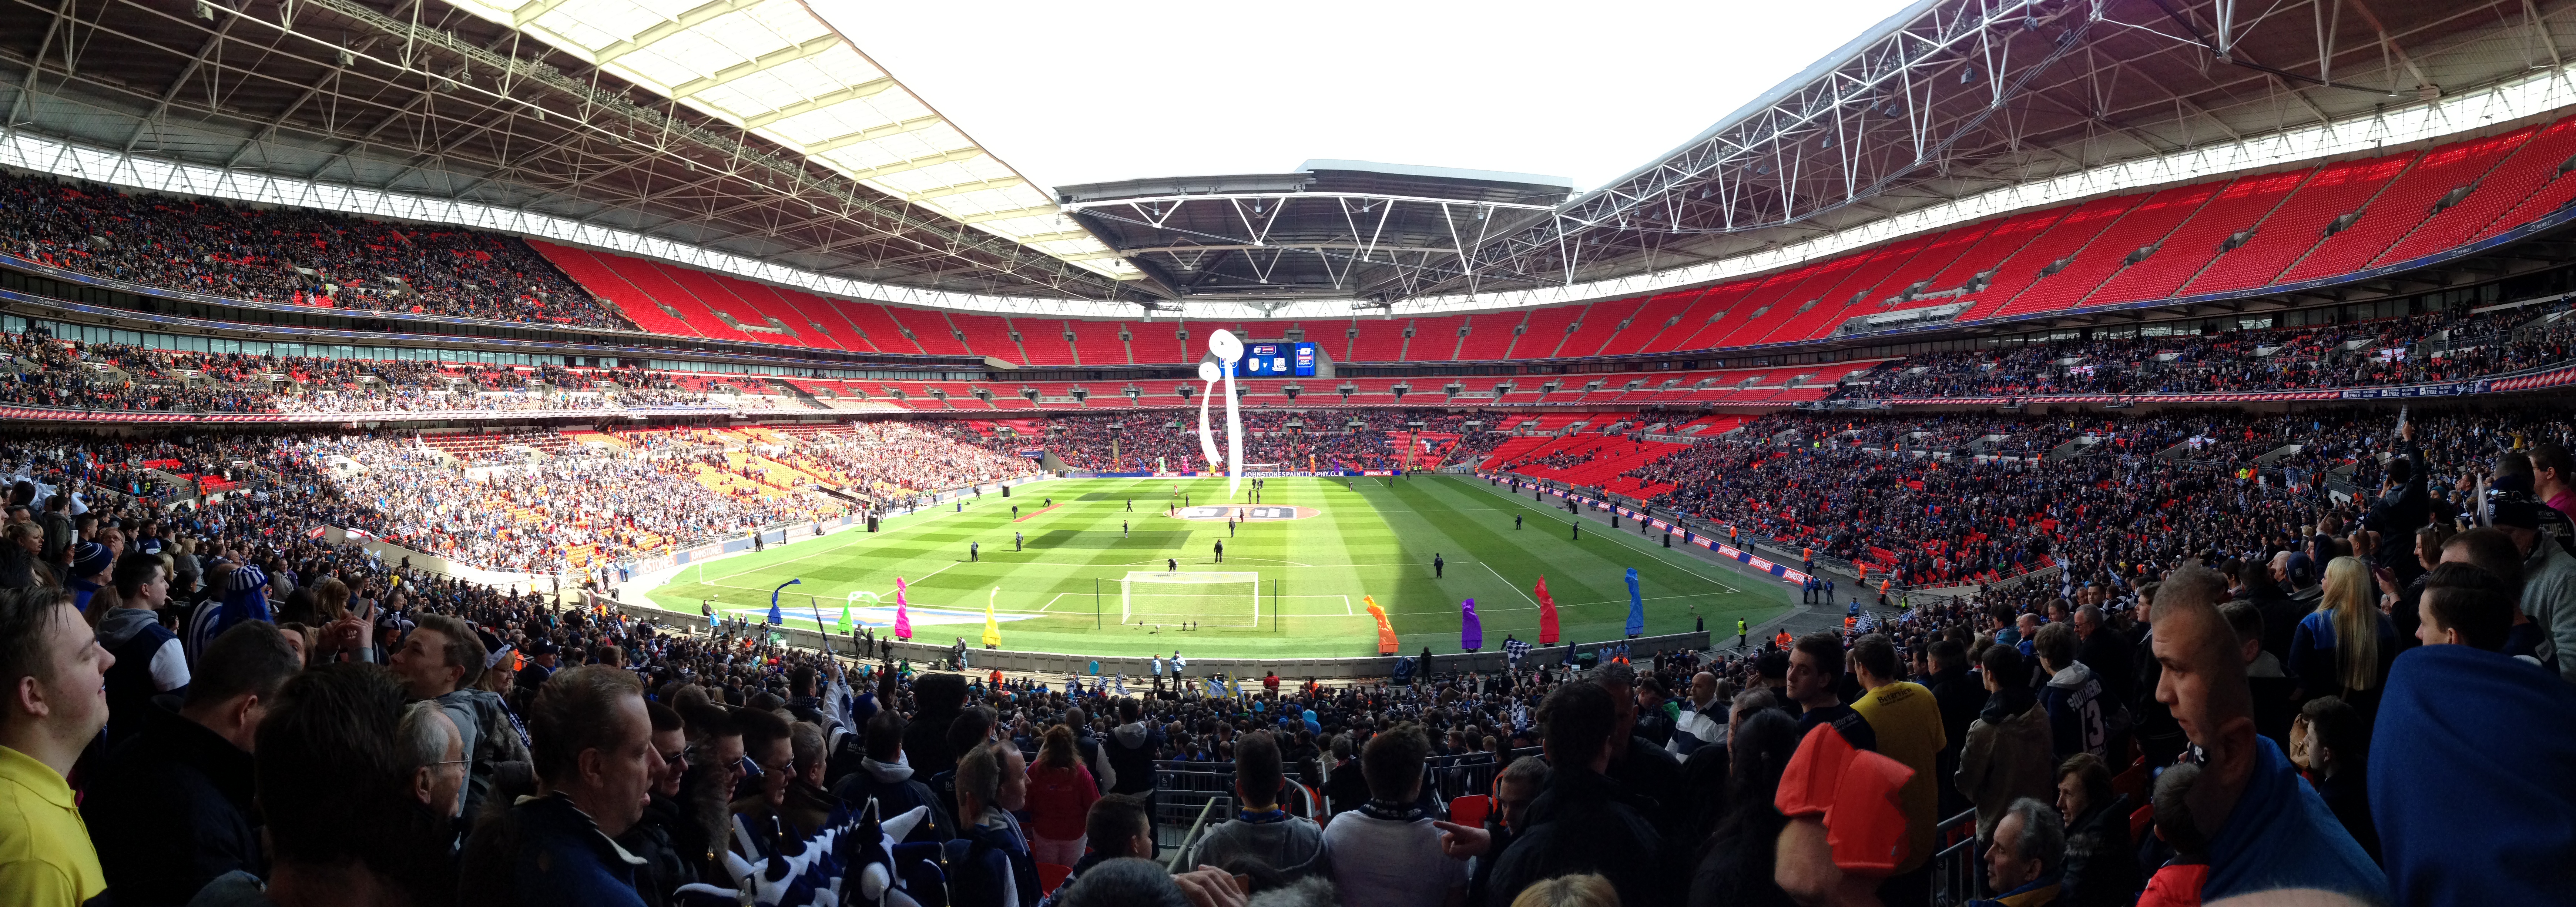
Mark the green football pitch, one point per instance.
(1352, 538)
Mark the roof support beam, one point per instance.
(861, 91)
(999, 182)
(927, 160)
(873, 133)
(533, 9)
(1007, 215)
(668, 27)
(213, 42)
(755, 66)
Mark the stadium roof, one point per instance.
(1948, 99)
(776, 70)
(577, 123)
(747, 136)
(1332, 230)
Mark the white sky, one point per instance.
(1106, 90)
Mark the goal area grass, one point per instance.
(1318, 549)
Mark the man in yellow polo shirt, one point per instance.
(55, 675)
(1907, 722)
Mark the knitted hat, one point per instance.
(91, 559)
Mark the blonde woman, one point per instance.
(2344, 647)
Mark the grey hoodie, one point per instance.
(120, 625)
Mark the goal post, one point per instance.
(1216, 598)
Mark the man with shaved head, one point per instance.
(2267, 830)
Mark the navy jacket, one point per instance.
(2468, 780)
(170, 811)
(544, 852)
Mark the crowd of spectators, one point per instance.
(290, 255)
(1326, 440)
(1957, 498)
(898, 462)
(2438, 346)
(2220, 699)
(41, 371)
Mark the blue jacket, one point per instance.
(2469, 780)
(2281, 835)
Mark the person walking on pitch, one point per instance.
(1437, 565)
(974, 551)
(1220, 552)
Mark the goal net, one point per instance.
(1214, 598)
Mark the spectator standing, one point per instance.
(2553, 477)
(2271, 830)
(2453, 755)
(1119, 827)
(150, 660)
(653, 839)
(2008, 754)
(2101, 866)
(2151, 725)
(937, 698)
(1582, 822)
(595, 765)
(1061, 792)
(2178, 881)
(1132, 746)
(91, 564)
(1961, 697)
(1649, 777)
(340, 818)
(884, 777)
(2079, 716)
(56, 674)
(1387, 852)
(2331, 747)
(1736, 869)
(170, 809)
(2548, 580)
(433, 757)
(2405, 502)
(1345, 785)
(1260, 829)
(1907, 724)
(434, 666)
(766, 741)
(991, 853)
(1815, 669)
(2103, 651)
(2343, 648)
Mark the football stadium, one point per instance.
(802, 452)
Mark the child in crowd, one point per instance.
(2178, 882)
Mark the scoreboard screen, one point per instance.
(1277, 360)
